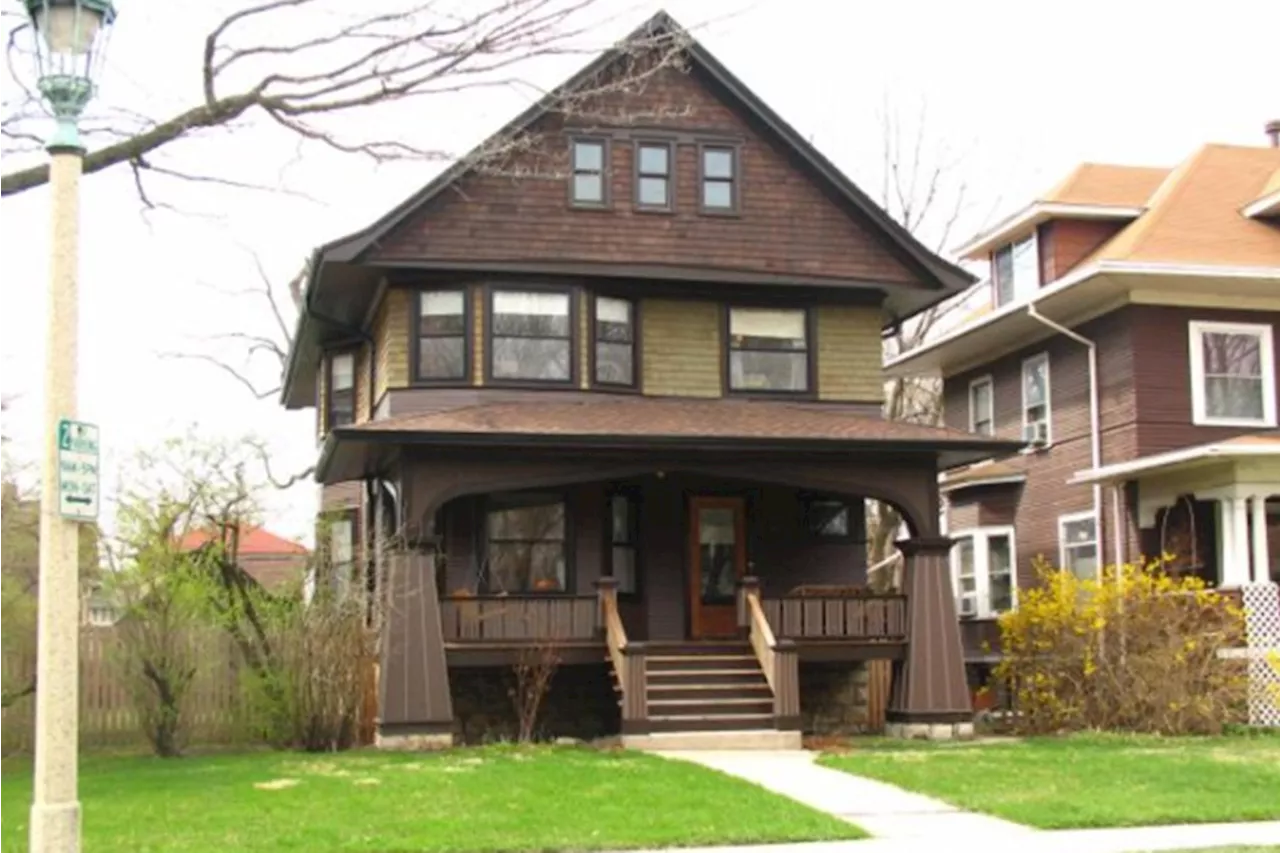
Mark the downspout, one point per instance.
(1095, 425)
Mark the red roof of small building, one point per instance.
(254, 541)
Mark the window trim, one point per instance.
(981, 536)
(329, 356)
(811, 352)
(468, 338)
(632, 494)
(1083, 515)
(735, 150)
(1048, 393)
(985, 379)
(575, 335)
(606, 154)
(635, 384)
(538, 497)
(1014, 296)
(329, 517)
(652, 142)
(1196, 329)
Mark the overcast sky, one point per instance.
(1014, 96)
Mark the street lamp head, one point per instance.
(71, 40)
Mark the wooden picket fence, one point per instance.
(108, 719)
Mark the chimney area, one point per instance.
(1273, 132)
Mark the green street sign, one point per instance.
(78, 470)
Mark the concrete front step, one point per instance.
(757, 738)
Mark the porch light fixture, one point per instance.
(71, 41)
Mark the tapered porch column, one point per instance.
(415, 710)
(1261, 557)
(1233, 529)
(930, 698)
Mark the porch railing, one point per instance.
(872, 618)
(520, 618)
(777, 657)
(629, 663)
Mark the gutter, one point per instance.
(1095, 425)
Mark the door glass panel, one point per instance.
(717, 546)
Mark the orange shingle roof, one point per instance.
(254, 541)
(1107, 184)
(1194, 217)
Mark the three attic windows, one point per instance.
(655, 167)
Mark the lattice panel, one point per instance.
(1262, 631)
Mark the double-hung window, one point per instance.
(615, 341)
(532, 335)
(624, 533)
(1233, 374)
(1036, 399)
(768, 350)
(1078, 544)
(982, 561)
(525, 544)
(718, 165)
(341, 530)
(589, 181)
(442, 335)
(653, 176)
(341, 409)
(982, 406)
(1016, 270)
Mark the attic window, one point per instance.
(653, 176)
(718, 165)
(589, 183)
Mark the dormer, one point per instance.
(1051, 236)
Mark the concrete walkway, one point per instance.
(903, 822)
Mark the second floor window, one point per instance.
(1035, 399)
(442, 335)
(982, 406)
(1233, 376)
(615, 341)
(982, 571)
(342, 390)
(588, 185)
(531, 336)
(653, 175)
(1016, 270)
(768, 350)
(719, 167)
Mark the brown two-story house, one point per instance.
(622, 406)
(1131, 341)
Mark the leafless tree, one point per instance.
(324, 70)
(923, 188)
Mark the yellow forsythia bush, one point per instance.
(1134, 651)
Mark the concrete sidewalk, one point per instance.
(903, 822)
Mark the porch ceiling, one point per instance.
(647, 423)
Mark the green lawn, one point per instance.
(490, 799)
(1086, 780)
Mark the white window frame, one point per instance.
(1048, 394)
(982, 537)
(1020, 290)
(1086, 515)
(1196, 329)
(991, 403)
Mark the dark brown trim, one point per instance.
(575, 334)
(636, 727)
(606, 166)
(653, 142)
(811, 352)
(787, 724)
(636, 348)
(498, 654)
(854, 535)
(824, 651)
(396, 729)
(929, 716)
(735, 183)
(415, 335)
(683, 135)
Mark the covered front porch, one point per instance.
(711, 582)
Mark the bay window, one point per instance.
(442, 335)
(615, 341)
(341, 407)
(1233, 377)
(982, 571)
(768, 350)
(531, 336)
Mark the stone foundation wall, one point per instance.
(580, 704)
(833, 698)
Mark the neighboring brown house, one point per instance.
(1131, 340)
(274, 562)
(629, 407)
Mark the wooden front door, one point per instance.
(717, 558)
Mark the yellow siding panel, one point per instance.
(477, 297)
(391, 338)
(322, 397)
(850, 361)
(362, 383)
(680, 350)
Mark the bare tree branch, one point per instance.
(258, 393)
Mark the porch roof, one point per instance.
(640, 423)
(1259, 445)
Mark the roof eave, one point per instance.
(1262, 208)
(1031, 216)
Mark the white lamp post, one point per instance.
(70, 41)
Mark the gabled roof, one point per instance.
(936, 273)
